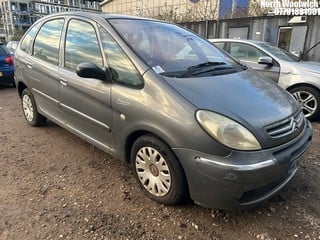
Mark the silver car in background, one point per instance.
(12, 45)
(300, 78)
(192, 121)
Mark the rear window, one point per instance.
(4, 50)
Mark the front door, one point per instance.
(86, 101)
(250, 55)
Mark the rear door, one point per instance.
(85, 101)
(39, 66)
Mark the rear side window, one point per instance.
(46, 44)
(82, 45)
(27, 40)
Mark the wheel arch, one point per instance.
(129, 142)
(312, 111)
(128, 147)
(21, 86)
(302, 85)
(132, 137)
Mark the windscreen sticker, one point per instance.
(158, 69)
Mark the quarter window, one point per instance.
(26, 43)
(46, 44)
(81, 45)
(122, 69)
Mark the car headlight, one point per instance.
(227, 131)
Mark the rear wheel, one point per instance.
(158, 171)
(309, 100)
(29, 109)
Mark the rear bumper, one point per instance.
(6, 76)
(242, 179)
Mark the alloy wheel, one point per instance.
(307, 101)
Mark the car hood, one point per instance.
(313, 67)
(245, 97)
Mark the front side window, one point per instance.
(121, 68)
(173, 51)
(81, 45)
(245, 52)
(47, 42)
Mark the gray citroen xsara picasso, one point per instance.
(191, 121)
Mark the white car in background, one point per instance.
(300, 78)
(12, 45)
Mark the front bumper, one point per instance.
(242, 179)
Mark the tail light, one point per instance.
(9, 60)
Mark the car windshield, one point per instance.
(278, 52)
(4, 50)
(173, 51)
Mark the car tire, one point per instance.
(29, 109)
(158, 171)
(309, 100)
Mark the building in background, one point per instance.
(18, 15)
(245, 19)
(15, 16)
(178, 10)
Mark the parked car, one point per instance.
(300, 78)
(191, 120)
(6, 66)
(12, 45)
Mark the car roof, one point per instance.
(235, 40)
(99, 15)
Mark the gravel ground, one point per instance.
(56, 186)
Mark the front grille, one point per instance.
(286, 127)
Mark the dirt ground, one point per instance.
(53, 185)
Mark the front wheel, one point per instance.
(309, 100)
(29, 109)
(158, 171)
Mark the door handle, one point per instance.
(63, 81)
(29, 64)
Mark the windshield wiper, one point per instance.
(193, 70)
(205, 64)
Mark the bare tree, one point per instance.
(202, 10)
(169, 13)
(255, 9)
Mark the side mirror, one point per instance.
(91, 70)
(265, 60)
